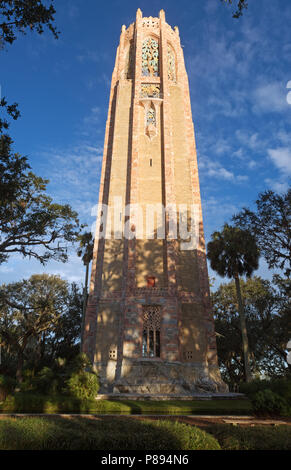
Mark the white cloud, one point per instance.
(242, 178)
(270, 97)
(278, 186)
(281, 157)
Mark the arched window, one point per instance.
(150, 58)
(151, 346)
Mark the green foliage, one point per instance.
(11, 110)
(268, 325)
(82, 385)
(35, 315)
(241, 5)
(233, 252)
(107, 434)
(16, 16)
(46, 382)
(252, 438)
(7, 385)
(269, 403)
(31, 223)
(280, 386)
(270, 224)
(28, 402)
(73, 378)
(269, 397)
(86, 245)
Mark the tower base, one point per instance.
(146, 376)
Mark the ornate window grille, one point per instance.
(171, 64)
(150, 58)
(151, 339)
(151, 116)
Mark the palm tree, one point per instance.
(233, 252)
(86, 245)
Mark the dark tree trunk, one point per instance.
(245, 342)
(19, 370)
(85, 297)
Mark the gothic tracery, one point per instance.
(150, 57)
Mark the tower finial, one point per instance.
(162, 15)
(138, 13)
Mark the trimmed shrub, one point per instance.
(269, 403)
(76, 433)
(82, 385)
(252, 438)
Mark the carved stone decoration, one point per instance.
(151, 116)
(150, 58)
(152, 317)
(150, 90)
(151, 331)
(171, 64)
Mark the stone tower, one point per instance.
(148, 325)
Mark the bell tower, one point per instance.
(148, 325)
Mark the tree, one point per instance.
(233, 253)
(86, 245)
(29, 308)
(12, 111)
(30, 222)
(241, 5)
(271, 226)
(63, 340)
(268, 321)
(17, 16)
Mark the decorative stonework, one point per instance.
(150, 90)
(150, 58)
(151, 331)
(152, 317)
(151, 117)
(171, 64)
(150, 22)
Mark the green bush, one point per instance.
(281, 386)
(46, 381)
(7, 385)
(252, 438)
(79, 433)
(82, 385)
(269, 403)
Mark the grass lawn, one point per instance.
(32, 403)
(125, 433)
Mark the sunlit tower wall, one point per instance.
(149, 325)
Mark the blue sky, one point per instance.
(238, 74)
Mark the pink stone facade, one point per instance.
(113, 323)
